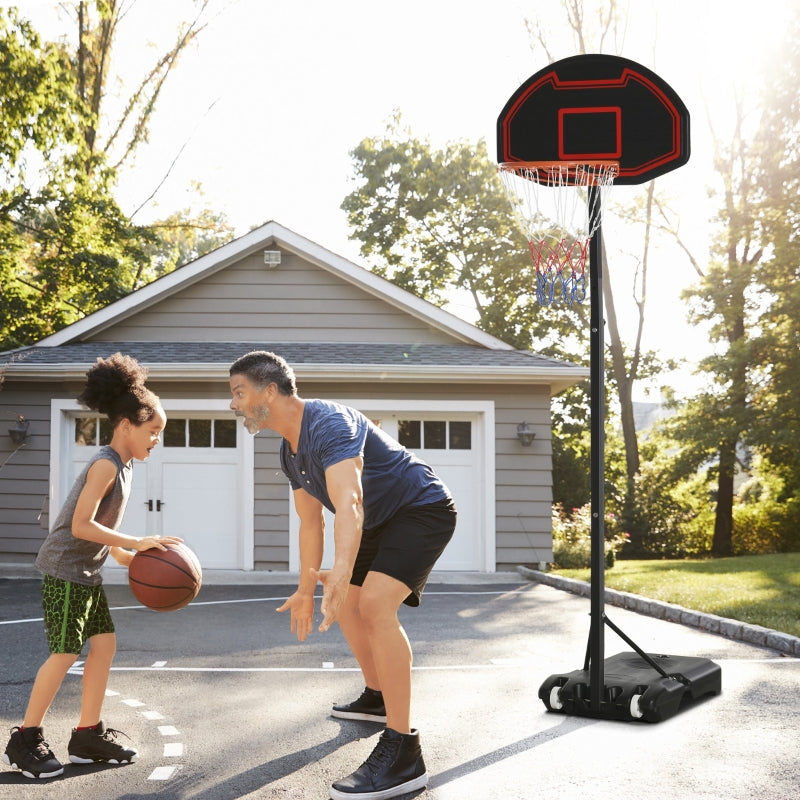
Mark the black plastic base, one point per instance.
(634, 690)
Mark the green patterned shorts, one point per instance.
(73, 613)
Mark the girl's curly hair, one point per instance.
(115, 387)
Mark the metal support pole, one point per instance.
(597, 459)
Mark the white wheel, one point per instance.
(555, 700)
(635, 707)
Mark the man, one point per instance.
(393, 518)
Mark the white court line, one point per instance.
(168, 730)
(302, 669)
(159, 663)
(499, 664)
(151, 715)
(173, 750)
(162, 773)
(133, 703)
(196, 603)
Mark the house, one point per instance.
(451, 392)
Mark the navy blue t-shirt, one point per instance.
(392, 478)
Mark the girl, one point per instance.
(74, 602)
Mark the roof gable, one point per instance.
(270, 235)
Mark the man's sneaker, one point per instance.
(28, 752)
(368, 707)
(393, 768)
(98, 744)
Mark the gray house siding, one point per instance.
(296, 301)
(523, 480)
(24, 474)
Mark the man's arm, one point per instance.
(311, 541)
(344, 488)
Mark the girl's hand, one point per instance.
(159, 542)
(121, 556)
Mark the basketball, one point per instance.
(165, 580)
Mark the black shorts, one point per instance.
(406, 546)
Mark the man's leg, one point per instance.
(349, 619)
(390, 651)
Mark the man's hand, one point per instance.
(302, 613)
(334, 591)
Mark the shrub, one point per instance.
(572, 538)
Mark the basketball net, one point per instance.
(558, 214)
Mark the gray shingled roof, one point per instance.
(350, 361)
(344, 353)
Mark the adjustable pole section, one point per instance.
(596, 650)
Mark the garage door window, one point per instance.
(435, 434)
(92, 431)
(182, 432)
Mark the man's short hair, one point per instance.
(262, 368)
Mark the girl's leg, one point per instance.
(45, 687)
(102, 648)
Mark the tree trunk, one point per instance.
(722, 544)
(624, 383)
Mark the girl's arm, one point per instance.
(99, 481)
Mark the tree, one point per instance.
(97, 24)
(714, 424)
(64, 236)
(436, 222)
(69, 249)
(776, 349)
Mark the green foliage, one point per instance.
(571, 470)
(68, 248)
(437, 222)
(572, 538)
(765, 519)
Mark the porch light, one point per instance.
(19, 433)
(525, 434)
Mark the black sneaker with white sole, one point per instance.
(98, 744)
(393, 768)
(369, 707)
(28, 752)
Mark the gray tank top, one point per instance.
(71, 559)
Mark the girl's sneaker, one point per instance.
(28, 752)
(98, 744)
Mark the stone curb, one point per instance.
(730, 628)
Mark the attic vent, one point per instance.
(272, 258)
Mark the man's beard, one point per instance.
(252, 423)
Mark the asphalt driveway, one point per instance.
(223, 703)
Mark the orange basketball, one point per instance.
(165, 580)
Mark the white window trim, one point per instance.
(485, 409)
(60, 411)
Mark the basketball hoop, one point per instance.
(558, 206)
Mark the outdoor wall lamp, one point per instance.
(19, 433)
(525, 434)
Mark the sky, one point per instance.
(265, 108)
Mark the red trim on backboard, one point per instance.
(627, 75)
(612, 155)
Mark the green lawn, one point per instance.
(761, 590)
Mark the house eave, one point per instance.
(557, 378)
